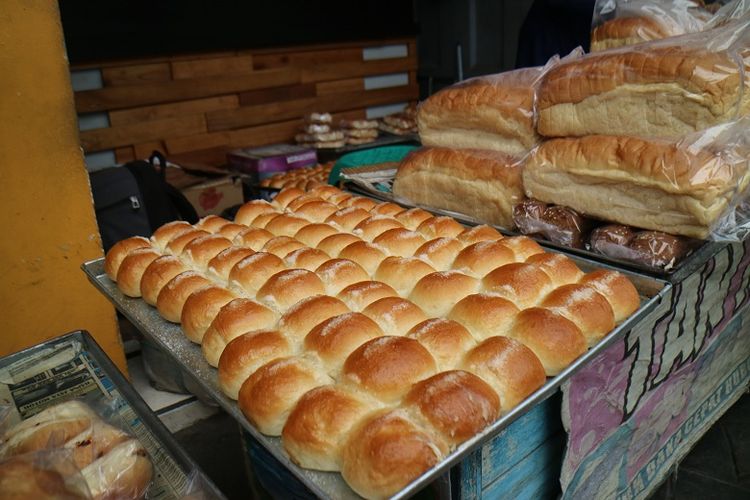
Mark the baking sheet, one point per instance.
(682, 269)
(74, 366)
(330, 485)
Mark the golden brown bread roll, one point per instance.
(374, 226)
(253, 238)
(211, 223)
(412, 218)
(252, 209)
(400, 242)
(480, 258)
(281, 246)
(312, 234)
(286, 196)
(479, 233)
(629, 31)
(360, 295)
(231, 230)
(303, 200)
(220, 266)
(305, 258)
(436, 293)
(286, 288)
(286, 225)
(446, 340)
(303, 316)
(246, 353)
(617, 289)
(173, 295)
(269, 394)
(509, 367)
(494, 112)
(481, 184)
(200, 309)
(336, 338)
(158, 274)
(440, 227)
(168, 232)
(340, 199)
(234, 319)
(131, 270)
(365, 254)
(332, 245)
(585, 307)
(560, 269)
(177, 244)
(395, 315)
(402, 273)
(484, 315)
(348, 218)
(385, 452)
(264, 219)
(119, 251)
(315, 431)
(357, 202)
(201, 250)
(523, 247)
(338, 274)
(253, 271)
(316, 211)
(324, 191)
(524, 284)
(439, 252)
(387, 209)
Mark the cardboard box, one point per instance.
(215, 195)
(266, 161)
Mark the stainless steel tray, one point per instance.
(682, 270)
(330, 485)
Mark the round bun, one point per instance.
(285, 288)
(312, 234)
(177, 244)
(119, 251)
(131, 270)
(245, 354)
(360, 295)
(340, 199)
(358, 202)
(436, 293)
(332, 245)
(235, 318)
(211, 223)
(365, 254)
(306, 258)
(484, 315)
(555, 340)
(337, 337)
(286, 196)
(168, 232)
(385, 453)
(231, 230)
(172, 297)
(325, 191)
(478, 259)
(268, 395)
(387, 367)
(395, 315)
(479, 233)
(281, 246)
(338, 274)
(263, 220)
(617, 289)
(560, 269)
(302, 200)
(402, 273)
(524, 284)
(251, 210)
(522, 247)
(585, 307)
(413, 217)
(158, 274)
(316, 211)
(456, 405)
(220, 266)
(445, 339)
(348, 218)
(253, 238)
(387, 208)
(252, 272)
(200, 310)
(303, 316)
(286, 225)
(440, 252)
(400, 241)
(440, 227)
(201, 250)
(374, 226)
(315, 430)
(509, 367)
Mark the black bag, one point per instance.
(135, 199)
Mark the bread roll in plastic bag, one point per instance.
(42, 475)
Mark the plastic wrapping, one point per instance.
(665, 88)
(617, 23)
(42, 475)
(111, 463)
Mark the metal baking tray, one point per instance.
(168, 457)
(331, 485)
(687, 266)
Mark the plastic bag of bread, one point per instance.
(112, 463)
(649, 248)
(42, 475)
(626, 22)
(696, 186)
(493, 112)
(665, 88)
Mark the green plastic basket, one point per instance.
(368, 157)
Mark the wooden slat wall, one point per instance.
(212, 102)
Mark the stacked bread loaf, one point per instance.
(303, 178)
(373, 339)
(359, 132)
(318, 133)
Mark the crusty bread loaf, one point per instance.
(123, 472)
(646, 183)
(662, 90)
(494, 112)
(483, 185)
(22, 479)
(629, 31)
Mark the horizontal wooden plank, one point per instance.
(137, 74)
(277, 111)
(124, 154)
(222, 66)
(338, 86)
(277, 94)
(181, 90)
(160, 111)
(307, 57)
(212, 157)
(344, 70)
(112, 137)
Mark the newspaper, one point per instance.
(64, 371)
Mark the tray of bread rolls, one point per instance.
(368, 347)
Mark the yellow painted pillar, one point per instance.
(47, 223)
